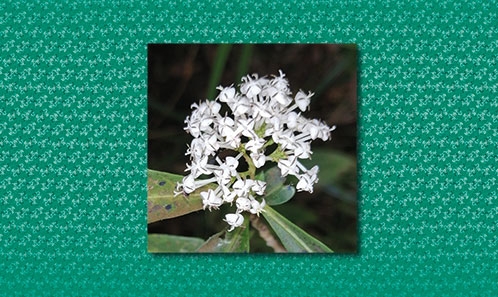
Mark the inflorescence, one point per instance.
(263, 124)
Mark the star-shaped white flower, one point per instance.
(307, 180)
(257, 207)
(211, 200)
(243, 204)
(259, 187)
(302, 100)
(234, 220)
(288, 166)
(259, 159)
(242, 187)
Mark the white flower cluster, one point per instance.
(261, 116)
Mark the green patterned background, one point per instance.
(73, 148)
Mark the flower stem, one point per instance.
(269, 142)
(278, 154)
(265, 233)
(252, 169)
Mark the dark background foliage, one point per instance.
(179, 75)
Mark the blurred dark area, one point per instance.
(181, 74)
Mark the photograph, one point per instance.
(252, 148)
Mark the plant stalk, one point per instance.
(264, 232)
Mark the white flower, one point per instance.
(211, 200)
(226, 170)
(292, 119)
(226, 94)
(303, 100)
(246, 127)
(307, 180)
(213, 108)
(261, 110)
(196, 148)
(259, 187)
(304, 184)
(254, 145)
(223, 177)
(276, 124)
(257, 207)
(282, 98)
(232, 138)
(198, 166)
(242, 187)
(211, 145)
(280, 82)
(241, 106)
(243, 204)
(228, 196)
(288, 166)
(225, 126)
(302, 150)
(314, 129)
(285, 138)
(277, 95)
(195, 125)
(234, 220)
(188, 183)
(250, 87)
(231, 165)
(259, 159)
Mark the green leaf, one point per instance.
(212, 244)
(276, 192)
(164, 243)
(222, 53)
(236, 241)
(244, 60)
(282, 195)
(294, 239)
(161, 201)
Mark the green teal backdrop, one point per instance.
(73, 95)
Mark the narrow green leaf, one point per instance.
(236, 241)
(276, 192)
(222, 53)
(333, 73)
(161, 201)
(164, 243)
(212, 244)
(294, 239)
(244, 60)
